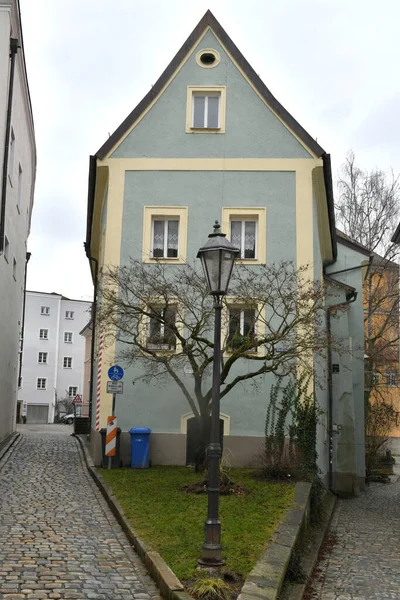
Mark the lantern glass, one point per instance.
(218, 264)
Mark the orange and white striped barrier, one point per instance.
(111, 436)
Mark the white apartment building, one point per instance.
(17, 181)
(54, 353)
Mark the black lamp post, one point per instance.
(217, 257)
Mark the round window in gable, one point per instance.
(207, 58)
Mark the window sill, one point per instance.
(173, 261)
(249, 261)
(205, 130)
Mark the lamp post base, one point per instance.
(211, 550)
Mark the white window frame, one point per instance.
(74, 387)
(212, 90)
(164, 347)
(69, 314)
(45, 310)
(47, 334)
(206, 97)
(165, 220)
(42, 355)
(67, 358)
(242, 309)
(70, 334)
(242, 235)
(45, 383)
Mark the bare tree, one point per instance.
(368, 211)
(163, 318)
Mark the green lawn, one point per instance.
(172, 521)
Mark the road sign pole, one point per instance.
(113, 404)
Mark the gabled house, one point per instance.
(210, 142)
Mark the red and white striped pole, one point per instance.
(99, 365)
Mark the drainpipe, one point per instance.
(350, 298)
(13, 51)
(94, 314)
(21, 347)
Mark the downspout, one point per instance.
(352, 296)
(21, 347)
(93, 319)
(13, 51)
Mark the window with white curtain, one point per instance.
(165, 238)
(244, 237)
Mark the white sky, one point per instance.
(333, 64)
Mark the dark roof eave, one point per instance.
(396, 236)
(90, 204)
(209, 20)
(326, 161)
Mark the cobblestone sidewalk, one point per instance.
(361, 555)
(58, 538)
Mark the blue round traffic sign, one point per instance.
(115, 373)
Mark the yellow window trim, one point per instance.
(208, 51)
(259, 213)
(152, 212)
(259, 328)
(193, 89)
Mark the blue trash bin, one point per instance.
(140, 445)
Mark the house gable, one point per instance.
(252, 130)
(276, 133)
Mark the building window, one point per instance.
(67, 362)
(244, 237)
(241, 328)
(206, 109)
(165, 233)
(6, 248)
(247, 230)
(19, 193)
(43, 334)
(375, 378)
(72, 391)
(15, 269)
(165, 238)
(207, 58)
(42, 358)
(68, 337)
(69, 314)
(160, 332)
(391, 379)
(11, 156)
(41, 383)
(45, 310)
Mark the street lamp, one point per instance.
(217, 257)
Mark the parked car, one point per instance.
(68, 419)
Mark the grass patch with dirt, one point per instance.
(171, 520)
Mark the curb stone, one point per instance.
(266, 578)
(6, 447)
(167, 581)
(311, 552)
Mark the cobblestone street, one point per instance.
(58, 537)
(360, 558)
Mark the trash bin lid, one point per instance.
(142, 430)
